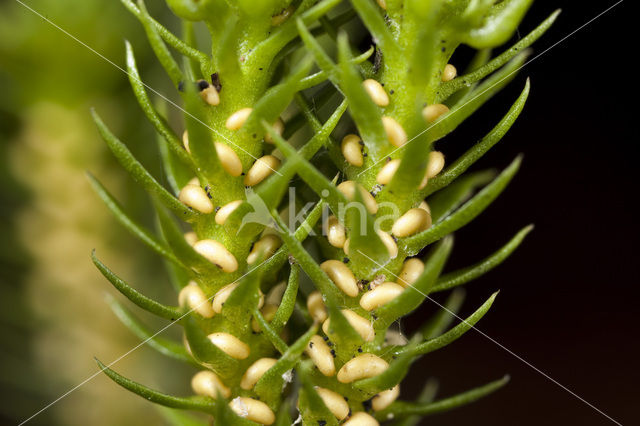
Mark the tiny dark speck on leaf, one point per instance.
(321, 423)
(202, 84)
(215, 81)
(367, 405)
(391, 92)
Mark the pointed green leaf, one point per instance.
(464, 275)
(415, 294)
(367, 252)
(225, 46)
(479, 149)
(298, 120)
(288, 31)
(197, 403)
(322, 59)
(447, 200)
(345, 338)
(420, 28)
(243, 300)
(206, 352)
(476, 99)
(311, 406)
(139, 173)
(310, 174)
(132, 226)
(401, 408)
(398, 369)
(308, 264)
(276, 261)
(269, 387)
(149, 305)
(462, 216)
(415, 158)
(453, 334)
(172, 39)
(480, 59)
(288, 302)
(322, 76)
(269, 107)
(178, 175)
(498, 25)
(364, 112)
(160, 124)
(309, 113)
(373, 20)
(275, 186)
(166, 347)
(269, 332)
(174, 236)
(158, 46)
(201, 143)
(459, 83)
(442, 319)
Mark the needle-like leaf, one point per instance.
(442, 319)
(401, 408)
(415, 294)
(160, 124)
(149, 305)
(158, 46)
(312, 407)
(464, 275)
(288, 302)
(450, 87)
(166, 347)
(139, 173)
(465, 161)
(453, 334)
(197, 403)
(462, 216)
(270, 384)
(131, 225)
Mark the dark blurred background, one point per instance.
(568, 295)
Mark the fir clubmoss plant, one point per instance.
(377, 195)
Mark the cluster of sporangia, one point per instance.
(319, 350)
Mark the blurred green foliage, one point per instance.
(53, 318)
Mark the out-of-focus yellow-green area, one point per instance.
(53, 318)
